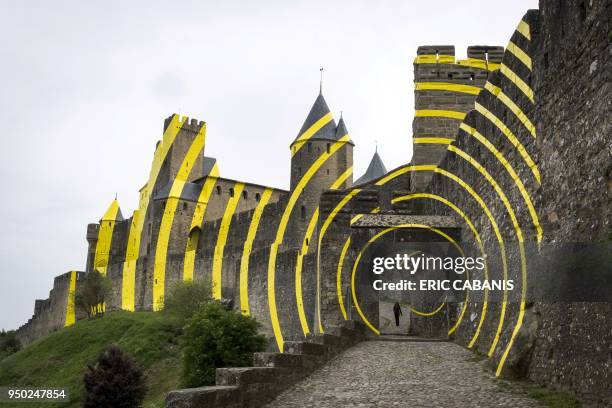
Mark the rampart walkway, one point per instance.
(401, 374)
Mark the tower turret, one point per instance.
(321, 154)
(100, 238)
(375, 169)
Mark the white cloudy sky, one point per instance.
(86, 86)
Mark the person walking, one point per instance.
(397, 311)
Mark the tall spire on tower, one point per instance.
(321, 82)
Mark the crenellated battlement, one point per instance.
(92, 232)
(185, 122)
(438, 62)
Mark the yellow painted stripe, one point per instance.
(479, 63)
(165, 228)
(406, 169)
(280, 233)
(450, 59)
(519, 236)
(376, 237)
(524, 29)
(432, 140)
(324, 228)
(304, 250)
(217, 270)
(298, 271)
(469, 223)
(303, 138)
(489, 215)
(196, 221)
(465, 303)
(517, 180)
(434, 59)
(403, 170)
(70, 301)
(516, 80)
(512, 106)
(520, 54)
(342, 178)
(248, 247)
(339, 277)
(439, 113)
(446, 86)
(511, 137)
(425, 314)
(105, 238)
(498, 235)
(128, 286)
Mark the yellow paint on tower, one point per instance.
(196, 222)
(230, 209)
(246, 252)
(105, 237)
(165, 228)
(128, 286)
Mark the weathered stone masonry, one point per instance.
(516, 139)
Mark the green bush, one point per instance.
(185, 298)
(217, 337)
(91, 293)
(8, 343)
(116, 380)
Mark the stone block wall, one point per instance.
(49, 314)
(565, 345)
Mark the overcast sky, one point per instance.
(87, 84)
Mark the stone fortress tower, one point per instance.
(445, 91)
(495, 142)
(317, 140)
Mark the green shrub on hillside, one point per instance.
(116, 380)
(8, 343)
(91, 293)
(217, 337)
(185, 298)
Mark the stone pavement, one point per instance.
(401, 374)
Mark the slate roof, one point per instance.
(376, 169)
(319, 109)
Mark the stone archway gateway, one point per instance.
(387, 237)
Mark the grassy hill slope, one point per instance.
(60, 359)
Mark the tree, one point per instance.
(91, 294)
(217, 337)
(8, 343)
(185, 298)
(116, 380)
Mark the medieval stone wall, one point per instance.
(49, 314)
(529, 164)
(560, 344)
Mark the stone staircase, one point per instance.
(271, 373)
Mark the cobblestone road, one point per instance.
(401, 374)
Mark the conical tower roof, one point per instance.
(319, 124)
(376, 169)
(341, 130)
(113, 213)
